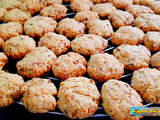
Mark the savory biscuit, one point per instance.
(133, 57)
(3, 60)
(10, 4)
(127, 35)
(37, 26)
(117, 98)
(36, 63)
(78, 97)
(18, 47)
(155, 6)
(1, 42)
(69, 65)
(10, 85)
(155, 60)
(88, 44)
(145, 2)
(57, 43)
(2, 13)
(122, 4)
(99, 1)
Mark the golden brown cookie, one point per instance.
(145, 2)
(2, 13)
(36, 63)
(78, 97)
(155, 60)
(10, 4)
(1, 42)
(3, 60)
(18, 47)
(155, 6)
(136, 2)
(99, 1)
(69, 65)
(51, 2)
(55, 42)
(122, 4)
(117, 98)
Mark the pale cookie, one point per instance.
(3, 60)
(2, 13)
(155, 6)
(18, 47)
(16, 15)
(78, 97)
(117, 98)
(69, 65)
(152, 41)
(99, 1)
(121, 18)
(88, 44)
(36, 63)
(155, 60)
(10, 85)
(1, 42)
(70, 28)
(127, 35)
(10, 4)
(146, 2)
(148, 22)
(146, 82)
(37, 26)
(133, 57)
(55, 11)
(122, 4)
(11, 29)
(55, 42)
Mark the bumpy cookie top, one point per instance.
(3, 60)
(155, 60)
(10, 4)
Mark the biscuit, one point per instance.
(103, 9)
(1, 42)
(70, 28)
(122, 4)
(2, 13)
(85, 16)
(37, 26)
(146, 82)
(127, 35)
(99, 1)
(38, 95)
(10, 85)
(152, 41)
(145, 2)
(155, 60)
(10, 4)
(36, 63)
(51, 2)
(117, 98)
(55, 42)
(136, 10)
(18, 47)
(16, 15)
(69, 65)
(148, 22)
(88, 44)
(11, 29)
(78, 97)
(55, 11)
(121, 18)
(133, 57)
(3, 60)
(155, 6)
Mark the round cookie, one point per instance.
(2, 13)
(55, 11)
(69, 65)
(1, 42)
(11, 29)
(55, 42)
(146, 82)
(18, 47)
(37, 26)
(122, 4)
(145, 2)
(155, 6)
(133, 57)
(3, 60)
(88, 44)
(78, 97)
(127, 35)
(152, 41)
(16, 15)
(155, 60)
(51, 2)
(10, 4)
(10, 85)
(99, 1)
(70, 28)
(36, 63)
(121, 18)
(117, 98)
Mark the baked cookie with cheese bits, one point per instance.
(2, 13)
(10, 4)
(155, 60)
(3, 60)
(155, 6)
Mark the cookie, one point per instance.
(103, 9)
(145, 2)
(133, 57)
(155, 60)
(3, 60)
(155, 6)
(70, 28)
(1, 42)
(55, 42)
(152, 41)
(88, 44)
(127, 35)
(136, 2)
(55, 11)
(38, 95)
(51, 2)
(99, 1)
(136, 10)
(148, 22)
(146, 82)
(36, 63)
(16, 15)
(11, 29)
(18, 47)
(10, 85)
(2, 13)
(121, 18)
(117, 98)
(69, 65)
(122, 4)
(37, 26)
(78, 97)
(10, 4)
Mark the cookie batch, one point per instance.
(48, 40)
